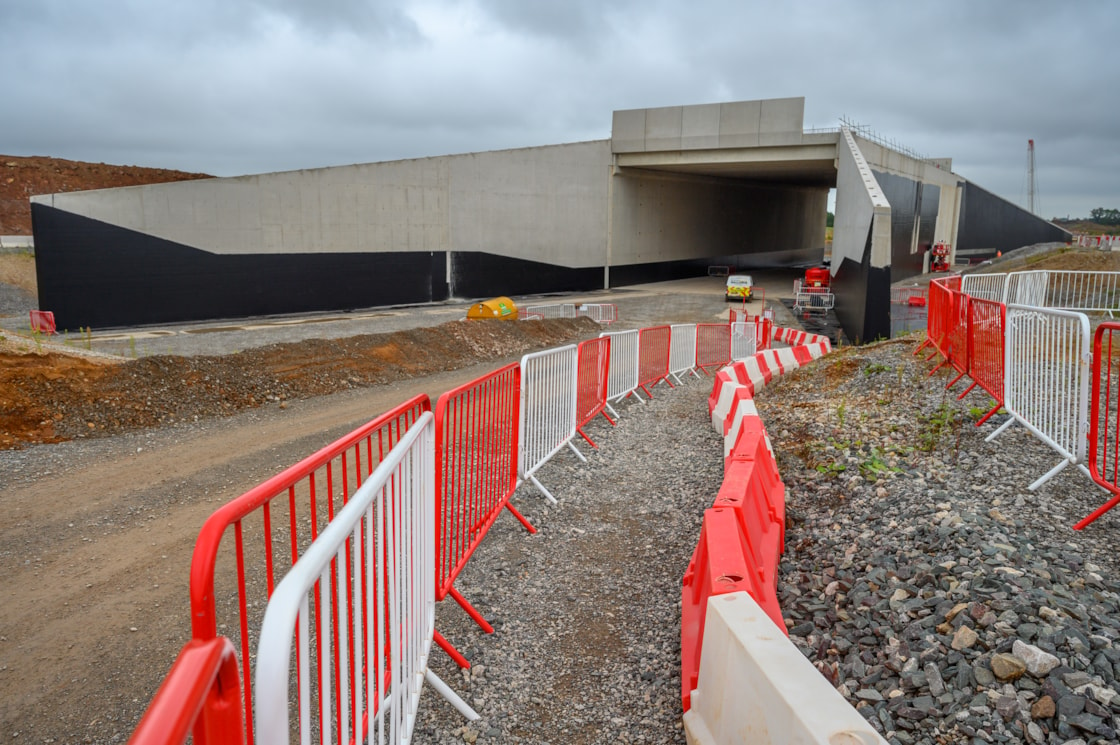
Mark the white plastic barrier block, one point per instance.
(745, 409)
(756, 687)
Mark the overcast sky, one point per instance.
(230, 87)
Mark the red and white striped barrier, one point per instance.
(548, 410)
(591, 387)
(370, 576)
(476, 472)
(42, 321)
(682, 351)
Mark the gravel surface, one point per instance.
(587, 611)
(946, 601)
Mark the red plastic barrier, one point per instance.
(987, 322)
(324, 481)
(476, 471)
(42, 321)
(200, 698)
(591, 386)
(713, 345)
(653, 357)
(1104, 418)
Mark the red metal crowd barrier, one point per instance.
(987, 323)
(956, 336)
(713, 345)
(476, 472)
(325, 480)
(939, 316)
(653, 356)
(591, 385)
(1104, 418)
(200, 697)
(42, 321)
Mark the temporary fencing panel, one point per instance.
(1095, 292)
(1026, 288)
(591, 388)
(548, 410)
(1104, 418)
(201, 696)
(552, 310)
(322, 481)
(984, 286)
(940, 317)
(1047, 380)
(374, 560)
(604, 313)
(956, 336)
(814, 301)
(476, 471)
(910, 296)
(744, 341)
(42, 321)
(987, 322)
(682, 350)
(623, 377)
(713, 345)
(653, 356)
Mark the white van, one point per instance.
(739, 287)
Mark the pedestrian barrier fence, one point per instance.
(201, 695)
(939, 317)
(813, 300)
(910, 296)
(623, 377)
(275, 522)
(718, 270)
(1089, 292)
(1104, 418)
(551, 310)
(682, 351)
(744, 341)
(42, 321)
(713, 345)
(987, 321)
(604, 313)
(476, 472)
(653, 357)
(1046, 388)
(985, 286)
(549, 388)
(1026, 288)
(370, 578)
(955, 346)
(591, 387)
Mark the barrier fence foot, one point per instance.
(589, 440)
(999, 431)
(922, 346)
(984, 418)
(470, 609)
(450, 696)
(528, 525)
(1085, 521)
(953, 382)
(967, 391)
(575, 450)
(607, 407)
(453, 653)
(646, 390)
(932, 355)
(542, 490)
(939, 366)
(694, 373)
(1049, 474)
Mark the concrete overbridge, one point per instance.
(672, 191)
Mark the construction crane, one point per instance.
(1032, 184)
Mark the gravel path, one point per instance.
(587, 616)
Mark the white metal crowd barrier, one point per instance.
(1046, 380)
(744, 339)
(1092, 292)
(985, 286)
(380, 548)
(1026, 288)
(552, 310)
(604, 313)
(682, 350)
(549, 384)
(813, 301)
(622, 379)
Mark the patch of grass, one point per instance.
(875, 369)
(937, 425)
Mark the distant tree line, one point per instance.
(1103, 216)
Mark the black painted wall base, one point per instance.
(863, 298)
